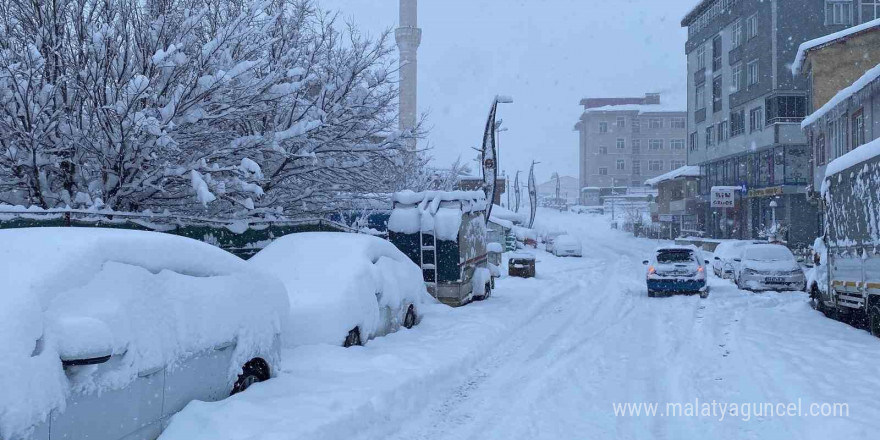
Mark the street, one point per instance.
(549, 358)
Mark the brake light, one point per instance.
(651, 270)
(700, 269)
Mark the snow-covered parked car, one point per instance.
(344, 289)
(723, 263)
(768, 267)
(676, 269)
(105, 334)
(550, 240)
(567, 246)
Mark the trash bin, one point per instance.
(521, 265)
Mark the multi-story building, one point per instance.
(745, 108)
(677, 210)
(624, 141)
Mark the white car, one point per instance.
(567, 246)
(768, 267)
(550, 239)
(105, 333)
(344, 289)
(723, 264)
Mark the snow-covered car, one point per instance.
(768, 267)
(676, 269)
(344, 289)
(567, 246)
(105, 334)
(723, 264)
(550, 240)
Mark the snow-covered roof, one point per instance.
(828, 39)
(640, 108)
(843, 95)
(423, 211)
(685, 171)
(861, 154)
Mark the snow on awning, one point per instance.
(843, 95)
(685, 171)
(861, 154)
(825, 40)
(424, 211)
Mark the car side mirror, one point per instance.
(83, 341)
(738, 260)
(707, 262)
(645, 262)
(718, 258)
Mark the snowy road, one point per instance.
(549, 359)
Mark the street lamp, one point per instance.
(773, 206)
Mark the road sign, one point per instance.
(724, 196)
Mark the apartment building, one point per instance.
(745, 108)
(624, 141)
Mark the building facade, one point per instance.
(745, 108)
(624, 141)
(678, 213)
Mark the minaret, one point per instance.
(408, 36)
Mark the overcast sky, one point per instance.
(546, 54)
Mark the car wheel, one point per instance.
(255, 371)
(704, 295)
(816, 296)
(874, 321)
(353, 338)
(409, 321)
(651, 293)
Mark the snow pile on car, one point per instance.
(339, 281)
(436, 212)
(151, 298)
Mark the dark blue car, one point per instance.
(677, 269)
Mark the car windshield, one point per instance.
(674, 256)
(768, 253)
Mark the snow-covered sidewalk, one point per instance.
(550, 357)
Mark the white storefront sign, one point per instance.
(724, 196)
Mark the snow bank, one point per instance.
(149, 297)
(436, 212)
(338, 281)
(859, 155)
(823, 40)
(842, 96)
(503, 213)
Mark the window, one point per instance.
(858, 129)
(678, 123)
(637, 125)
(603, 127)
(756, 119)
(820, 150)
(603, 171)
(621, 165)
(655, 144)
(752, 72)
(655, 165)
(722, 131)
(621, 143)
(655, 123)
(636, 146)
(701, 57)
(676, 164)
(736, 34)
(603, 150)
(752, 27)
(700, 97)
(716, 95)
(710, 136)
(716, 53)
(637, 168)
(737, 123)
(785, 109)
(870, 10)
(737, 77)
(838, 12)
(621, 122)
(837, 135)
(676, 144)
(693, 141)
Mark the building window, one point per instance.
(655, 144)
(678, 123)
(655, 165)
(636, 146)
(676, 164)
(722, 132)
(655, 123)
(785, 109)
(837, 135)
(621, 165)
(756, 119)
(700, 97)
(736, 78)
(701, 57)
(736, 34)
(858, 129)
(603, 171)
(737, 123)
(752, 27)
(637, 125)
(716, 95)
(716, 53)
(676, 144)
(838, 12)
(710, 136)
(693, 141)
(820, 150)
(621, 143)
(621, 122)
(870, 10)
(603, 150)
(603, 127)
(637, 168)
(752, 72)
